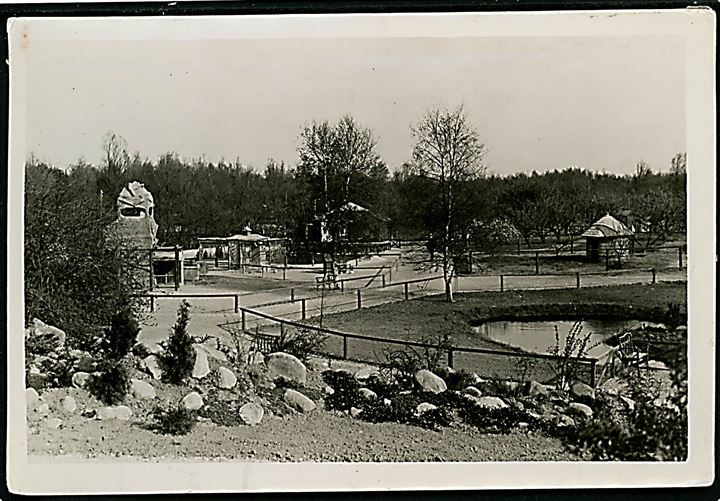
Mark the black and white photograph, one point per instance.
(378, 251)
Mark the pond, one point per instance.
(539, 336)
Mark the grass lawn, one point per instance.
(429, 318)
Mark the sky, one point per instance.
(538, 103)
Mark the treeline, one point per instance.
(195, 198)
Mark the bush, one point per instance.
(400, 410)
(179, 357)
(175, 421)
(401, 365)
(301, 342)
(346, 391)
(456, 380)
(565, 366)
(112, 383)
(122, 334)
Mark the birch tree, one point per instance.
(448, 151)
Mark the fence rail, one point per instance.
(456, 356)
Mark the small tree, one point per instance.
(122, 334)
(179, 357)
(449, 152)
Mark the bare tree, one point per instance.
(449, 152)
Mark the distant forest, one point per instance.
(337, 164)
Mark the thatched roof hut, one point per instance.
(607, 235)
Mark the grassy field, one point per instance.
(430, 318)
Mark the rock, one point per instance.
(256, 358)
(535, 389)
(142, 389)
(367, 393)
(580, 409)
(226, 378)
(80, 379)
(564, 421)
(492, 402)
(681, 328)
(32, 399)
(106, 413)
(365, 372)
(329, 391)
(471, 390)
(287, 366)
(53, 335)
(298, 401)
(192, 401)
(424, 407)
(53, 423)
(69, 405)
(123, 413)
(657, 365)
(42, 409)
(614, 386)
(354, 411)
(202, 364)
(152, 365)
(583, 390)
(251, 413)
(317, 365)
(430, 382)
(629, 402)
(387, 401)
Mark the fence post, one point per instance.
(450, 358)
(303, 308)
(237, 303)
(151, 271)
(577, 279)
(177, 267)
(342, 285)
(592, 373)
(359, 299)
(406, 291)
(345, 351)
(654, 277)
(537, 263)
(383, 279)
(607, 260)
(262, 271)
(242, 322)
(152, 303)
(292, 295)
(680, 256)
(282, 329)
(390, 274)
(502, 283)
(284, 268)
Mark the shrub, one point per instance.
(112, 382)
(301, 342)
(434, 419)
(456, 380)
(400, 410)
(179, 357)
(122, 335)
(565, 366)
(174, 421)
(401, 365)
(346, 391)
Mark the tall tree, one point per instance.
(449, 152)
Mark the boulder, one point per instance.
(80, 379)
(52, 335)
(123, 412)
(202, 364)
(582, 390)
(535, 389)
(32, 399)
(142, 389)
(251, 413)
(430, 382)
(287, 366)
(329, 391)
(629, 402)
(42, 409)
(580, 409)
(226, 378)
(298, 401)
(53, 423)
(387, 401)
(563, 421)
(152, 365)
(471, 390)
(492, 402)
(354, 411)
(106, 413)
(69, 405)
(424, 407)
(367, 393)
(192, 401)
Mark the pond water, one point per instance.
(539, 336)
